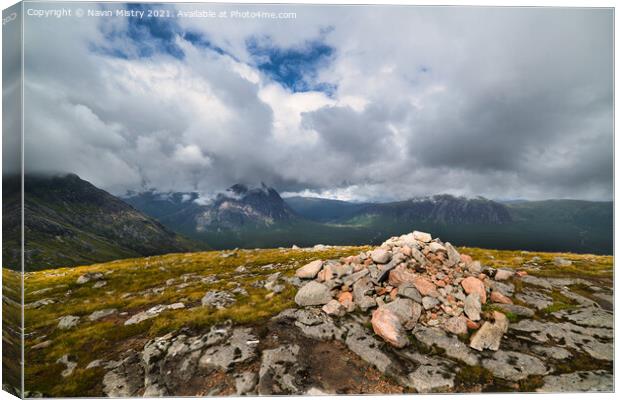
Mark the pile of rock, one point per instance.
(408, 281)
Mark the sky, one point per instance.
(362, 103)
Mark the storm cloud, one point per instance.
(358, 103)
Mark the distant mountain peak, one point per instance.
(238, 189)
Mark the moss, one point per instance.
(560, 302)
(512, 317)
(473, 375)
(581, 362)
(531, 383)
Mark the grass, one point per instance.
(560, 302)
(542, 264)
(136, 284)
(473, 375)
(512, 317)
(109, 338)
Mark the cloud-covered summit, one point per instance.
(363, 103)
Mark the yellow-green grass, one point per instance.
(109, 338)
(542, 264)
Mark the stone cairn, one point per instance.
(409, 280)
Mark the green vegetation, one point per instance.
(473, 375)
(135, 285)
(560, 302)
(68, 222)
(542, 264)
(11, 321)
(130, 288)
(512, 317)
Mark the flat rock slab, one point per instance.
(452, 345)
(597, 342)
(429, 379)
(514, 366)
(588, 317)
(521, 311)
(239, 348)
(581, 381)
(367, 347)
(279, 370)
(537, 300)
(557, 353)
(126, 379)
(533, 280)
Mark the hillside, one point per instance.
(323, 210)
(259, 217)
(68, 221)
(553, 225)
(225, 303)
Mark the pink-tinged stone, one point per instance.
(466, 259)
(326, 274)
(497, 297)
(380, 256)
(334, 308)
(425, 287)
(310, 270)
(456, 325)
(521, 273)
(406, 250)
(385, 323)
(475, 285)
(472, 325)
(345, 297)
(401, 274)
(393, 293)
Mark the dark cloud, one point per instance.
(358, 103)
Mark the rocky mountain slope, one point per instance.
(439, 209)
(552, 225)
(259, 217)
(413, 315)
(68, 221)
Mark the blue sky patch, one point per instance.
(153, 35)
(296, 68)
(200, 40)
(145, 36)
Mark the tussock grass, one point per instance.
(144, 279)
(542, 264)
(136, 284)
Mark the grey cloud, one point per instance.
(499, 102)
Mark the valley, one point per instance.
(261, 218)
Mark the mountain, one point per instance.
(241, 207)
(440, 209)
(552, 225)
(160, 205)
(239, 217)
(69, 221)
(563, 225)
(259, 217)
(323, 210)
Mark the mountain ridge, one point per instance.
(552, 225)
(68, 221)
